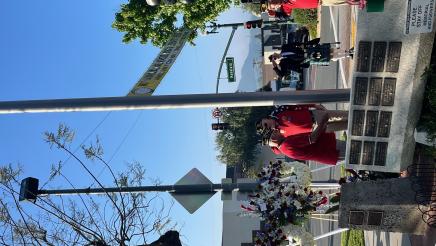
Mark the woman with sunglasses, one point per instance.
(326, 149)
(310, 119)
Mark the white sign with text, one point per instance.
(420, 14)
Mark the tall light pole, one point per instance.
(246, 99)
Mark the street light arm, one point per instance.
(224, 57)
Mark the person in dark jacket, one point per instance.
(284, 63)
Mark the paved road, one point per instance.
(334, 27)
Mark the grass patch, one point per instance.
(352, 238)
(308, 18)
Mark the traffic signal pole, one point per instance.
(238, 24)
(179, 189)
(191, 191)
(245, 99)
(224, 57)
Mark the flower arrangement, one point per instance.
(284, 203)
(296, 172)
(298, 236)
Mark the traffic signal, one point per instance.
(220, 126)
(29, 189)
(166, 2)
(253, 24)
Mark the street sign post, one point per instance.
(191, 191)
(193, 201)
(230, 63)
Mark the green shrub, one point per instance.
(353, 238)
(427, 121)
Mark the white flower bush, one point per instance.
(297, 236)
(296, 172)
(284, 202)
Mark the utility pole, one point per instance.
(224, 56)
(246, 99)
(191, 191)
(216, 26)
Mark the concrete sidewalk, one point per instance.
(377, 238)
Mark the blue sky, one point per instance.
(67, 49)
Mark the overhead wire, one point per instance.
(117, 149)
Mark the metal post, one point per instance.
(246, 99)
(326, 219)
(178, 189)
(328, 234)
(322, 168)
(324, 185)
(224, 57)
(238, 24)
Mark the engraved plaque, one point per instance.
(358, 120)
(394, 55)
(378, 57)
(375, 218)
(381, 150)
(388, 94)
(356, 217)
(371, 123)
(360, 90)
(368, 152)
(355, 149)
(384, 124)
(363, 56)
(374, 94)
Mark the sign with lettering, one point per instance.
(230, 62)
(151, 79)
(419, 16)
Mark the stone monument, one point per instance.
(387, 88)
(386, 205)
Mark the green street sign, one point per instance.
(230, 63)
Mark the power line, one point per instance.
(120, 144)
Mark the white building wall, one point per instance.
(236, 229)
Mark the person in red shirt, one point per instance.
(324, 150)
(286, 7)
(308, 119)
(304, 132)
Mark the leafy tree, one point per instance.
(427, 121)
(239, 144)
(253, 8)
(308, 18)
(110, 219)
(157, 23)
